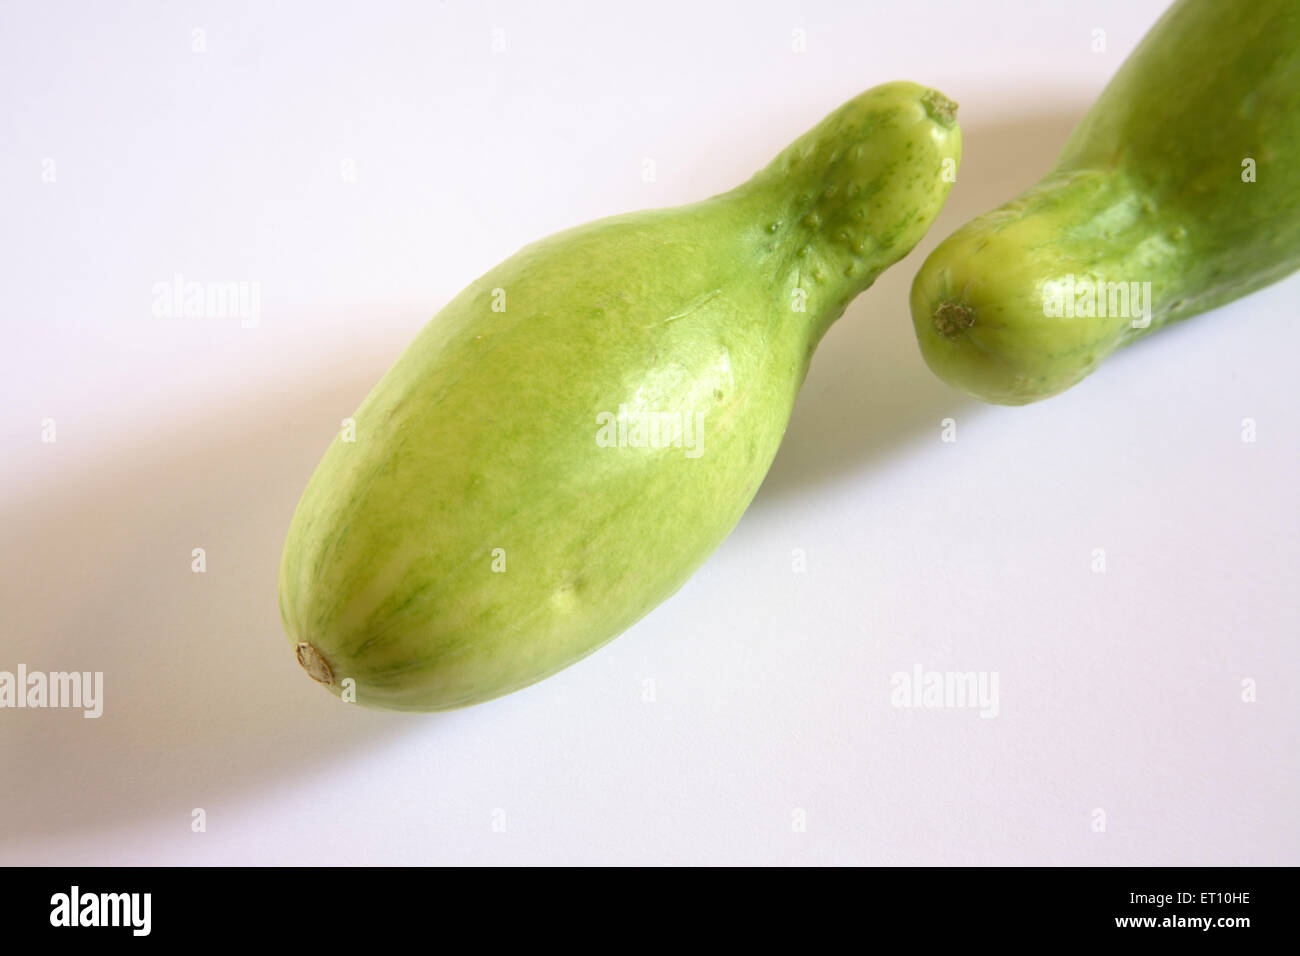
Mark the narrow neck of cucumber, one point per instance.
(816, 277)
(853, 195)
(1111, 250)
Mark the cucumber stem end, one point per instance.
(953, 318)
(939, 108)
(314, 664)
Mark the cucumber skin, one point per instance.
(1148, 188)
(483, 434)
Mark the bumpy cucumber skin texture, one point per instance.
(1148, 188)
(483, 435)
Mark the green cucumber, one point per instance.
(1176, 193)
(569, 439)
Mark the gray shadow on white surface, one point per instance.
(869, 391)
(204, 703)
(203, 699)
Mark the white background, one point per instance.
(1119, 692)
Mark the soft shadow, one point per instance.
(203, 699)
(202, 695)
(869, 392)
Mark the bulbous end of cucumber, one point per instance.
(1021, 303)
(976, 313)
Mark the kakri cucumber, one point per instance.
(573, 434)
(1176, 193)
